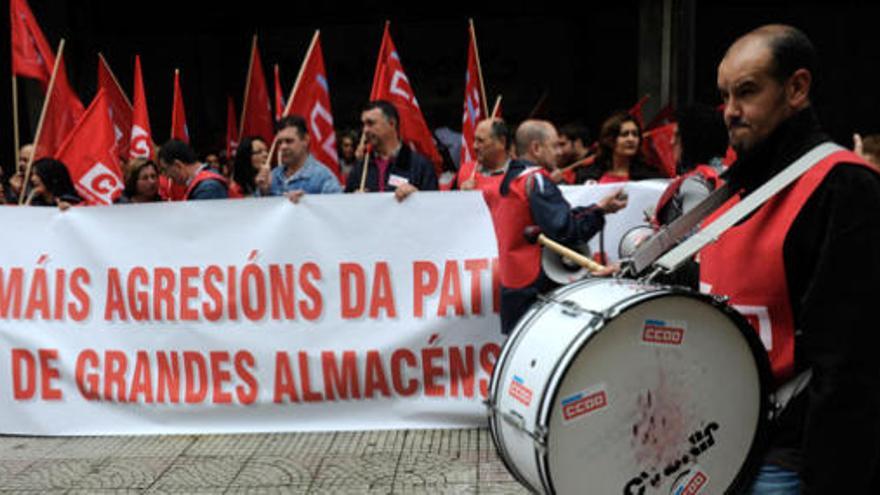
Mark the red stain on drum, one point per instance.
(658, 432)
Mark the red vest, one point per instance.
(519, 262)
(746, 263)
(170, 190)
(203, 175)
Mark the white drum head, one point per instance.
(666, 398)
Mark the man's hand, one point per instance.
(607, 271)
(263, 179)
(295, 195)
(556, 176)
(858, 148)
(614, 202)
(468, 185)
(404, 190)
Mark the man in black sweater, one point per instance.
(805, 262)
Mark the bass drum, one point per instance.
(616, 386)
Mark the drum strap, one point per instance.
(673, 259)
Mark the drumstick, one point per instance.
(587, 160)
(570, 254)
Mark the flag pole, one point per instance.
(366, 162)
(497, 107)
(479, 68)
(296, 84)
(15, 137)
(302, 69)
(247, 87)
(115, 81)
(27, 170)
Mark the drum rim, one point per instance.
(761, 436)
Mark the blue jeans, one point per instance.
(774, 480)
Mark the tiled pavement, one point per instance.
(380, 462)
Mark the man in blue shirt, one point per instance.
(300, 173)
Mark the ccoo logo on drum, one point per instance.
(692, 485)
(519, 391)
(663, 333)
(583, 403)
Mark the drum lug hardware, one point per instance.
(517, 421)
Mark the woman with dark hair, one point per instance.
(141, 182)
(52, 185)
(619, 158)
(248, 174)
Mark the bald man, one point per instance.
(816, 246)
(528, 197)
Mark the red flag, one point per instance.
(31, 54)
(666, 115)
(390, 83)
(141, 135)
(658, 148)
(256, 112)
(636, 111)
(474, 99)
(311, 99)
(279, 96)
(120, 106)
(179, 130)
(61, 111)
(231, 129)
(90, 154)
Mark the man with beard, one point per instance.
(816, 246)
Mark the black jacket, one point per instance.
(831, 253)
(408, 164)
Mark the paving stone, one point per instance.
(187, 473)
(187, 491)
(363, 472)
(155, 446)
(442, 441)
(367, 442)
(453, 489)
(51, 473)
(272, 471)
(34, 492)
(493, 471)
(434, 469)
(126, 472)
(9, 468)
(104, 491)
(86, 448)
(501, 488)
(20, 448)
(225, 445)
(284, 444)
(269, 490)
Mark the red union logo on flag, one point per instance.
(100, 183)
(325, 137)
(140, 143)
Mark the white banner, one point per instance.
(643, 196)
(341, 312)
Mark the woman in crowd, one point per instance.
(619, 158)
(250, 172)
(52, 185)
(141, 182)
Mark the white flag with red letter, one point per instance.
(141, 135)
(311, 100)
(90, 154)
(390, 83)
